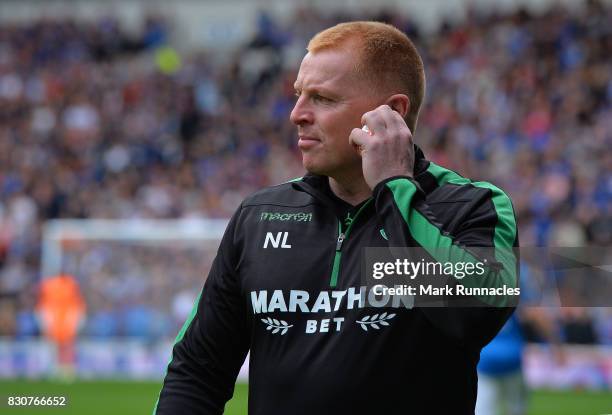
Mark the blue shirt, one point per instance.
(503, 355)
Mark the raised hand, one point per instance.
(385, 145)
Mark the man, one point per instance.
(286, 281)
(501, 389)
(62, 310)
(501, 385)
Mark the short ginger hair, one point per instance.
(387, 57)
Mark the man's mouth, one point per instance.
(306, 142)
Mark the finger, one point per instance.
(387, 118)
(374, 120)
(396, 126)
(367, 130)
(397, 120)
(400, 129)
(358, 137)
(393, 118)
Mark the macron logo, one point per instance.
(275, 241)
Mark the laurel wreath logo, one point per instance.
(276, 325)
(375, 321)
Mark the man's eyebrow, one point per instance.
(315, 90)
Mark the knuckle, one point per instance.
(405, 132)
(368, 114)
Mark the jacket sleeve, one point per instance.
(212, 344)
(487, 231)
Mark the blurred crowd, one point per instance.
(98, 123)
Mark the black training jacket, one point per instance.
(286, 286)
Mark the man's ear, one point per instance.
(399, 103)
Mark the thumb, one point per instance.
(359, 136)
(358, 139)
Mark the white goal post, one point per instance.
(58, 233)
(111, 259)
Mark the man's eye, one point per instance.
(320, 98)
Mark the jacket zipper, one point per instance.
(342, 236)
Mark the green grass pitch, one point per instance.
(125, 397)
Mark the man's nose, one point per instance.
(301, 114)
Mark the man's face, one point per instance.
(331, 100)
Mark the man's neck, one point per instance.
(353, 190)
